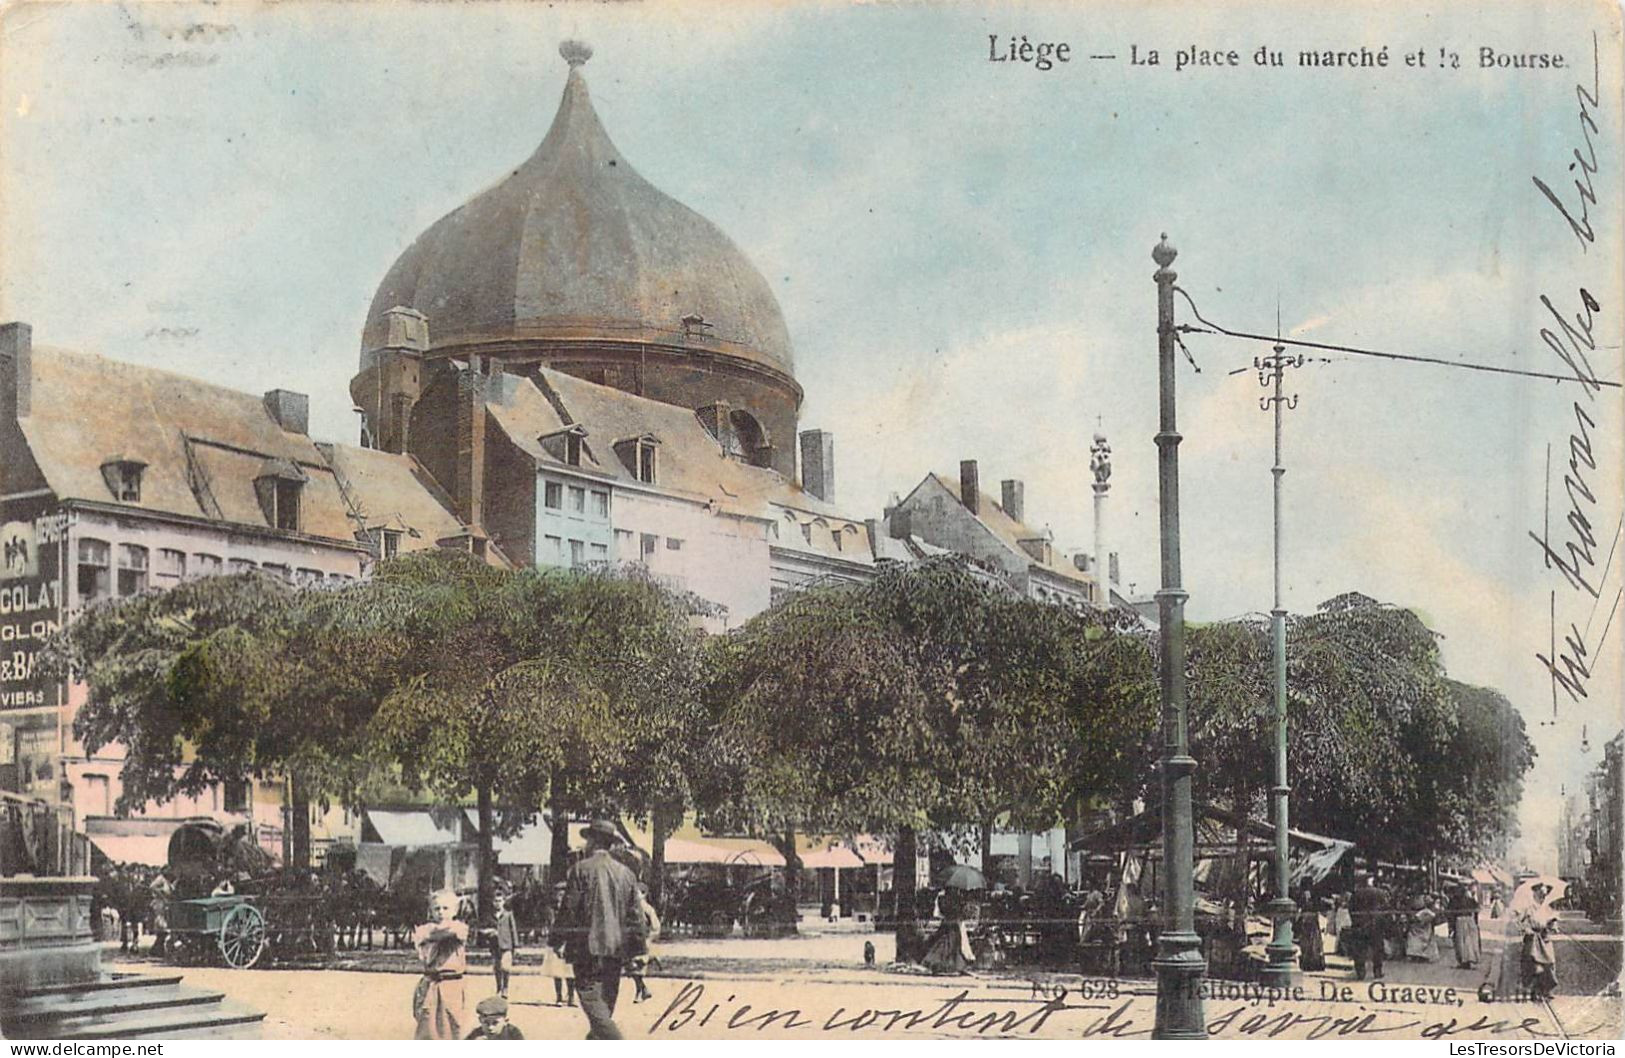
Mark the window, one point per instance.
(637, 454)
(339, 578)
(600, 504)
(236, 797)
(553, 495)
(572, 449)
(840, 540)
(623, 544)
(304, 577)
(171, 565)
(206, 565)
(94, 570)
(600, 552)
(576, 552)
(389, 543)
(554, 549)
(275, 569)
(123, 477)
(648, 544)
(243, 565)
(132, 569)
(673, 544)
(278, 487)
(578, 500)
(287, 504)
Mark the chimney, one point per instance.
(969, 494)
(468, 492)
(17, 369)
(1012, 492)
(290, 410)
(818, 463)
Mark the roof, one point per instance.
(389, 491)
(1008, 530)
(573, 244)
(690, 459)
(203, 445)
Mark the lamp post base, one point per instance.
(1180, 968)
(1280, 952)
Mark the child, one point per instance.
(442, 944)
(493, 1014)
(554, 964)
(502, 938)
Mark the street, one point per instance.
(816, 985)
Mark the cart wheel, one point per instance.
(242, 936)
(721, 924)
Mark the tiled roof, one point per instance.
(203, 445)
(1010, 531)
(389, 491)
(689, 458)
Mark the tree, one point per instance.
(219, 679)
(901, 702)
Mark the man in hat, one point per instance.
(600, 927)
(1368, 915)
(494, 1024)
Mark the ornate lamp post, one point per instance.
(1179, 963)
(1278, 969)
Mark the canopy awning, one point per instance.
(829, 854)
(533, 845)
(747, 852)
(142, 841)
(1313, 868)
(414, 826)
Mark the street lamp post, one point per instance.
(1279, 952)
(1179, 963)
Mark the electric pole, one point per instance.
(1279, 952)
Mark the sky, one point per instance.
(961, 249)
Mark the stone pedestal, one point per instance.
(46, 936)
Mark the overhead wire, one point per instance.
(1209, 327)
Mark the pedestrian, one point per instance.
(1421, 945)
(1368, 906)
(1311, 945)
(442, 945)
(163, 890)
(638, 965)
(600, 927)
(1338, 923)
(501, 938)
(553, 963)
(1463, 910)
(494, 1024)
(1534, 920)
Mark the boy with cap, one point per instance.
(494, 1025)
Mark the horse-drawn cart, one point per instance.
(231, 925)
(230, 904)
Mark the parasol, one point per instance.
(961, 876)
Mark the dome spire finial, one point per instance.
(575, 52)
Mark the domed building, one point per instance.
(576, 262)
(591, 371)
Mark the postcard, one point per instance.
(811, 520)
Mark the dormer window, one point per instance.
(638, 455)
(123, 477)
(566, 445)
(279, 486)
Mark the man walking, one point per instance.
(1368, 920)
(600, 928)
